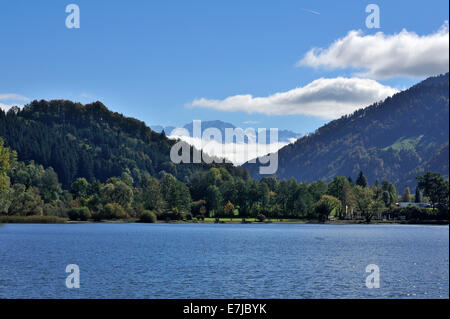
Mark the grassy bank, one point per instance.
(59, 220)
(253, 220)
(210, 220)
(32, 220)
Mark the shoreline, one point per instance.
(59, 220)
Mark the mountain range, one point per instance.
(284, 136)
(396, 139)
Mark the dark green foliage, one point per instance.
(213, 198)
(148, 216)
(261, 217)
(150, 195)
(364, 201)
(418, 196)
(436, 188)
(340, 188)
(112, 211)
(170, 215)
(389, 194)
(79, 213)
(25, 202)
(414, 213)
(198, 208)
(116, 191)
(80, 187)
(327, 205)
(175, 193)
(362, 180)
(85, 214)
(56, 208)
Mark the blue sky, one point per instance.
(152, 59)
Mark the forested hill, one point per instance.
(89, 141)
(396, 140)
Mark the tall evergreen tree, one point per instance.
(361, 180)
(418, 195)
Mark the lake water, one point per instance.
(223, 261)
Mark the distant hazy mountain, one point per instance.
(284, 136)
(396, 140)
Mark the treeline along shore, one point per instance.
(31, 193)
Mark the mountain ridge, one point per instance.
(387, 140)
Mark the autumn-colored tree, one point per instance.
(229, 209)
(406, 195)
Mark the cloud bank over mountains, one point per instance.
(323, 98)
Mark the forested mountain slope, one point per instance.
(396, 139)
(89, 141)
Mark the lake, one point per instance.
(223, 261)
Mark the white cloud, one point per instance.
(12, 96)
(311, 11)
(382, 56)
(324, 98)
(250, 122)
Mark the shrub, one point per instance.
(97, 216)
(148, 216)
(170, 215)
(197, 206)
(73, 214)
(261, 217)
(79, 213)
(84, 213)
(55, 208)
(112, 211)
(418, 213)
(187, 216)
